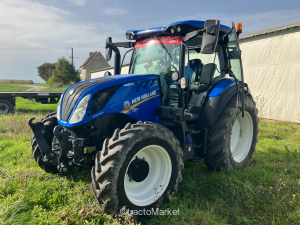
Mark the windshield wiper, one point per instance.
(162, 45)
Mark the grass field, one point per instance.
(23, 106)
(12, 87)
(56, 88)
(43, 85)
(267, 192)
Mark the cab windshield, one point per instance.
(150, 57)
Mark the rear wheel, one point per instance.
(138, 166)
(232, 139)
(5, 107)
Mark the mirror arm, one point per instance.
(125, 44)
(117, 62)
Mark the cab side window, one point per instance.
(233, 56)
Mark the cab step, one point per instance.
(196, 159)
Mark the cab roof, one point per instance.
(186, 26)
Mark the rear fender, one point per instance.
(216, 101)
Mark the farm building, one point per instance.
(100, 72)
(271, 62)
(93, 62)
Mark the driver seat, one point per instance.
(195, 69)
(205, 78)
(199, 91)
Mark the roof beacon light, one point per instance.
(178, 29)
(131, 36)
(128, 36)
(239, 28)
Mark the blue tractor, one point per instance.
(183, 99)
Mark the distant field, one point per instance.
(44, 85)
(56, 88)
(12, 87)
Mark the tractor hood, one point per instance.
(97, 93)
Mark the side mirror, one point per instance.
(108, 50)
(210, 36)
(107, 73)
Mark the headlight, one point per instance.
(172, 31)
(80, 110)
(178, 29)
(174, 76)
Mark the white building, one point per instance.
(271, 62)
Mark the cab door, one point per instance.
(235, 61)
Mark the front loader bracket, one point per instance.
(37, 131)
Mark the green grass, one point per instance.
(12, 87)
(23, 106)
(56, 88)
(44, 85)
(267, 192)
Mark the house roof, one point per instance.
(271, 30)
(103, 62)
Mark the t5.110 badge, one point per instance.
(126, 105)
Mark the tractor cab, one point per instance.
(188, 57)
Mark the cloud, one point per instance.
(115, 12)
(78, 2)
(252, 21)
(43, 25)
(33, 33)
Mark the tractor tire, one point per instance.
(232, 139)
(47, 131)
(6, 107)
(116, 181)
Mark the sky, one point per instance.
(35, 32)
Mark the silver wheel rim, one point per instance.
(241, 137)
(4, 108)
(160, 169)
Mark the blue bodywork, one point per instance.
(221, 86)
(143, 99)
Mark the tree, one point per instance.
(43, 70)
(65, 72)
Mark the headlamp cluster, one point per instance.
(176, 29)
(129, 36)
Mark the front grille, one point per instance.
(69, 101)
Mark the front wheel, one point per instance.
(137, 167)
(232, 139)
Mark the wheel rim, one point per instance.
(241, 137)
(154, 185)
(4, 108)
